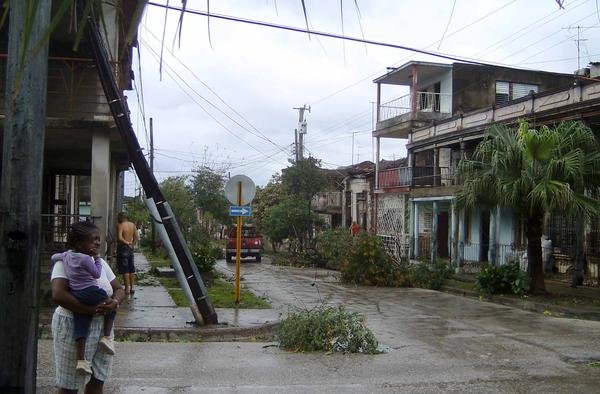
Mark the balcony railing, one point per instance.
(417, 176)
(56, 227)
(74, 90)
(425, 102)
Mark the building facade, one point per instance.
(84, 157)
(443, 118)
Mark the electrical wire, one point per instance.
(447, 25)
(168, 71)
(212, 90)
(324, 34)
(377, 73)
(207, 112)
(208, 101)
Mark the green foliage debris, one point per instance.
(327, 328)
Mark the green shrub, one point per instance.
(502, 279)
(326, 328)
(430, 276)
(204, 257)
(298, 258)
(369, 264)
(334, 246)
(217, 252)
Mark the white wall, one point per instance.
(445, 80)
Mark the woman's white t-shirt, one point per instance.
(106, 276)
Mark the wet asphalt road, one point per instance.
(439, 343)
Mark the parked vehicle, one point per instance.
(252, 243)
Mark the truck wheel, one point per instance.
(228, 257)
(258, 258)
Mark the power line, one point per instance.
(206, 100)
(448, 24)
(404, 58)
(319, 33)
(213, 92)
(550, 47)
(530, 27)
(208, 113)
(553, 34)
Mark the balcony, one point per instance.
(398, 116)
(74, 90)
(327, 202)
(417, 177)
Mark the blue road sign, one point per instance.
(237, 210)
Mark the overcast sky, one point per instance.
(227, 102)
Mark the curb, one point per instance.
(198, 334)
(554, 310)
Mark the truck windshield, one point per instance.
(247, 232)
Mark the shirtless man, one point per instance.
(128, 238)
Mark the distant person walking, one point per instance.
(128, 238)
(354, 228)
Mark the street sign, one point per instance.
(240, 191)
(236, 210)
(247, 193)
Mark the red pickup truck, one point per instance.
(252, 243)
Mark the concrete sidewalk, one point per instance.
(151, 315)
(555, 288)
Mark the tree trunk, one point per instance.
(534, 253)
(577, 279)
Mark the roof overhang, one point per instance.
(403, 74)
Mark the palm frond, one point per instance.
(550, 194)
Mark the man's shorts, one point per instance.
(125, 260)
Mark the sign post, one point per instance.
(238, 248)
(239, 190)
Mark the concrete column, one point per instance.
(436, 170)
(378, 115)
(377, 153)
(100, 183)
(434, 228)
(492, 251)
(354, 205)
(416, 230)
(453, 227)
(120, 191)
(461, 237)
(414, 91)
(111, 231)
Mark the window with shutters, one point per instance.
(507, 91)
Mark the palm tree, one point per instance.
(533, 172)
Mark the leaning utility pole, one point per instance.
(21, 198)
(300, 132)
(119, 110)
(153, 237)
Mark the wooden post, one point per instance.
(21, 197)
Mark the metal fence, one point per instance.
(417, 176)
(425, 102)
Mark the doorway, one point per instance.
(442, 235)
(484, 246)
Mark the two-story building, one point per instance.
(84, 156)
(443, 117)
